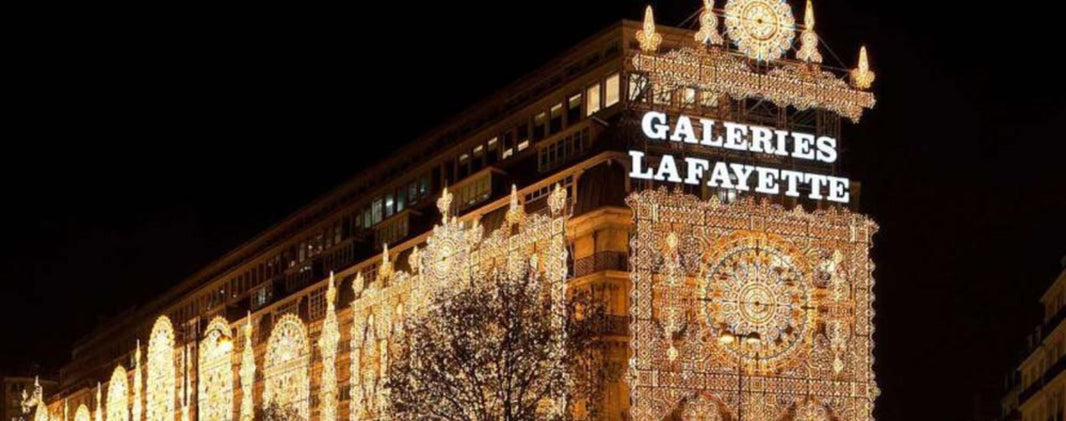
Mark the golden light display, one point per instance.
(327, 344)
(161, 372)
(647, 37)
(790, 290)
(456, 253)
(138, 383)
(215, 377)
(708, 33)
(118, 396)
(808, 50)
(247, 373)
(286, 372)
(761, 29)
(862, 77)
(82, 414)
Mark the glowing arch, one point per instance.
(287, 365)
(216, 372)
(118, 396)
(161, 371)
(82, 414)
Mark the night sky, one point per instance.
(144, 142)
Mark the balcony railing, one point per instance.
(600, 261)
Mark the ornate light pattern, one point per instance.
(862, 77)
(286, 371)
(808, 50)
(801, 281)
(647, 37)
(327, 344)
(82, 414)
(455, 254)
(754, 284)
(701, 408)
(118, 396)
(137, 383)
(788, 84)
(761, 29)
(247, 373)
(708, 33)
(161, 372)
(215, 377)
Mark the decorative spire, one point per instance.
(708, 33)
(414, 260)
(358, 283)
(862, 77)
(99, 411)
(385, 270)
(648, 38)
(331, 293)
(444, 204)
(516, 213)
(808, 50)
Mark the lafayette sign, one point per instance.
(741, 177)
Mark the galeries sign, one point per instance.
(742, 177)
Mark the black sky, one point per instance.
(142, 142)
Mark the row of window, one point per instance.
(641, 90)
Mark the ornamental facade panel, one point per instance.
(749, 310)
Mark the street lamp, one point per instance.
(749, 339)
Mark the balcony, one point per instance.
(600, 261)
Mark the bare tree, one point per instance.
(490, 351)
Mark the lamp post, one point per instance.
(751, 339)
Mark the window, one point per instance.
(522, 146)
(638, 85)
(376, 211)
(708, 99)
(389, 205)
(540, 123)
(592, 99)
(688, 97)
(400, 199)
(612, 87)
(573, 109)
(662, 95)
(556, 118)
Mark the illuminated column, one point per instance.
(328, 346)
(247, 373)
(99, 415)
(137, 383)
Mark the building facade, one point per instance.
(689, 178)
(1040, 390)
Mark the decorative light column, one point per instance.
(327, 343)
(247, 373)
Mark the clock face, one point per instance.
(761, 29)
(755, 285)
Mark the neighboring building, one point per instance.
(569, 126)
(1041, 393)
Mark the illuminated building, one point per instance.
(21, 394)
(689, 177)
(1039, 392)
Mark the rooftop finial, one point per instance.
(862, 77)
(708, 33)
(808, 50)
(648, 38)
(515, 212)
(444, 204)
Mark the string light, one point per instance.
(761, 29)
